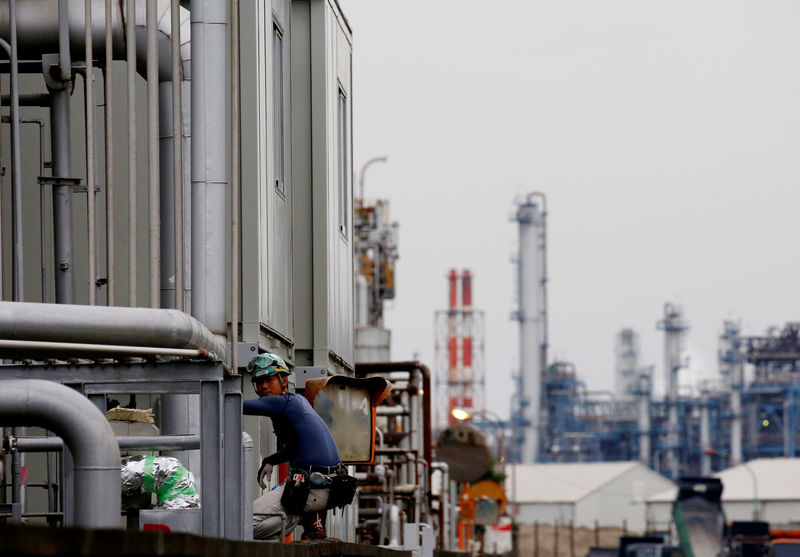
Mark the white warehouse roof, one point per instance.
(776, 479)
(566, 482)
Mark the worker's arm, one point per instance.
(265, 406)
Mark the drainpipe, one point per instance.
(86, 432)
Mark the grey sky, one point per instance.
(665, 135)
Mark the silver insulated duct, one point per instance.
(163, 328)
(87, 433)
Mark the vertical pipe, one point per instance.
(736, 412)
(65, 61)
(235, 125)
(108, 82)
(154, 228)
(177, 146)
(130, 42)
(16, 169)
(90, 178)
(643, 396)
(62, 195)
(166, 142)
(42, 257)
(210, 130)
(705, 438)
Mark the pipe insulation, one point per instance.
(87, 433)
(37, 31)
(166, 328)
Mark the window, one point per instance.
(277, 107)
(341, 120)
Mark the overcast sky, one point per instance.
(664, 133)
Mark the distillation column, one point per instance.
(732, 368)
(532, 315)
(674, 327)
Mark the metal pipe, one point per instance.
(64, 59)
(60, 149)
(177, 150)
(38, 26)
(234, 338)
(210, 130)
(444, 522)
(361, 176)
(108, 107)
(154, 226)
(90, 178)
(166, 142)
(39, 350)
(126, 442)
(130, 43)
(103, 325)
(86, 432)
(40, 123)
(16, 169)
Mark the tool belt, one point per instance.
(295, 492)
(343, 489)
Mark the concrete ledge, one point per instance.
(38, 540)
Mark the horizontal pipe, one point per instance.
(126, 442)
(37, 28)
(121, 326)
(391, 411)
(39, 350)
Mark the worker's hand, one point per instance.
(264, 472)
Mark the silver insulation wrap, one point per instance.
(166, 477)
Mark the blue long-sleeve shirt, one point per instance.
(306, 439)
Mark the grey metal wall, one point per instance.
(266, 201)
(31, 201)
(323, 245)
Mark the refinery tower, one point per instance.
(531, 216)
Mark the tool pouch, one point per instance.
(295, 495)
(343, 489)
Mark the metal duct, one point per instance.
(86, 432)
(166, 328)
(37, 31)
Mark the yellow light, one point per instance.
(422, 391)
(765, 422)
(460, 414)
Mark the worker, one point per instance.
(305, 442)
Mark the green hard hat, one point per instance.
(267, 364)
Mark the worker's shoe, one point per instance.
(313, 526)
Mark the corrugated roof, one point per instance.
(776, 479)
(563, 482)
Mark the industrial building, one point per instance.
(555, 418)
(178, 196)
(584, 494)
